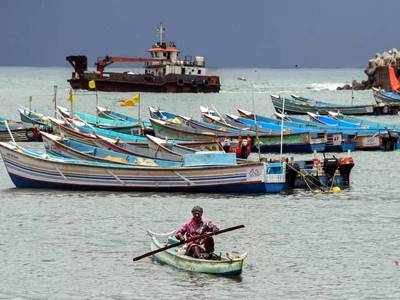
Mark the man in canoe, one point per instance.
(201, 248)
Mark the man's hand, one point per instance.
(179, 238)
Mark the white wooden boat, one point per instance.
(229, 264)
(29, 168)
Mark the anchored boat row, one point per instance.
(104, 155)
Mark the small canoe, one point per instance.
(229, 264)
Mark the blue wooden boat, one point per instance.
(336, 141)
(300, 106)
(363, 134)
(265, 125)
(268, 137)
(113, 115)
(366, 139)
(218, 127)
(292, 142)
(110, 114)
(87, 128)
(75, 149)
(343, 124)
(363, 123)
(212, 117)
(219, 130)
(133, 147)
(29, 168)
(104, 123)
(391, 98)
(32, 117)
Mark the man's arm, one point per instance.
(181, 232)
(211, 227)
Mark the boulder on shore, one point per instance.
(376, 70)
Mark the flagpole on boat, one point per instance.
(283, 115)
(55, 100)
(71, 97)
(9, 132)
(139, 108)
(139, 117)
(218, 113)
(30, 104)
(255, 119)
(352, 95)
(97, 105)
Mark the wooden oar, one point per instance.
(187, 241)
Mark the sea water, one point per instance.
(309, 245)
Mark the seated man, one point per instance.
(201, 248)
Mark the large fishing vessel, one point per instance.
(165, 71)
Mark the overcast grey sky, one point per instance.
(229, 33)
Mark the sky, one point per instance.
(228, 33)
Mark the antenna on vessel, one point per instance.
(283, 116)
(160, 30)
(255, 119)
(352, 95)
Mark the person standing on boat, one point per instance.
(197, 225)
(243, 148)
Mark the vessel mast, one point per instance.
(161, 29)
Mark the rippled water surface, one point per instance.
(79, 245)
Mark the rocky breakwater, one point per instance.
(376, 71)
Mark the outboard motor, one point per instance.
(345, 165)
(389, 141)
(292, 170)
(330, 166)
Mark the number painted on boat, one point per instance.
(336, 139)
(372, 141)
(254, 172)
(12, 156)
(276, 178)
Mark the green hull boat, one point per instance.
(229, 264)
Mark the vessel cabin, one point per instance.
(172, 63)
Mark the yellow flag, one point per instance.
(92, 84)
(71, 96)
(131, 101)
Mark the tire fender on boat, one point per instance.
(179, 82)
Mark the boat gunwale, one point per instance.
(122, 166)
(240, 258)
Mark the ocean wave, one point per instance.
(328, 86)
